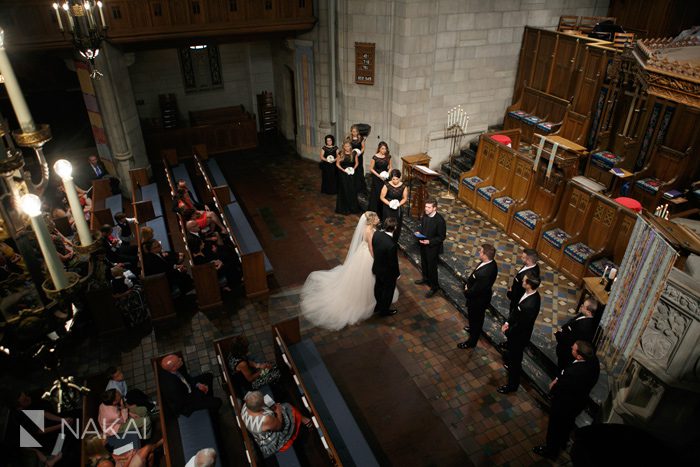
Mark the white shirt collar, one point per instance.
(525, 295)
(483, 264)
(391, 234)
(525, 268)
(433, 214)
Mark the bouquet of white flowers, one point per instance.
(384, 175)
(350, 171)
(394, 204)
(330, 159)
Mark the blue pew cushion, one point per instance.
(196, 433)
(532, 120)
(556, 237)
(527, 217)
(519, 114)
(486, 192)
(503, 203)
(579, 252)
(598, 266)
(546, 126)
(650, 185)
(604, 159)
(471, 182)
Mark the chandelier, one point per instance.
(85, 22)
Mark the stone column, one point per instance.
(118, 110)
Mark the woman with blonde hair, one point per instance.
(346, 202)
(357, 142)
(344, 295)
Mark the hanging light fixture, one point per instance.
(85, 22)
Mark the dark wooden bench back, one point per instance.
(168, 421)
(247, 444)
(574, 209)
(218, 115)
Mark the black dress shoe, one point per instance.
(390, 313)
(431, 293)
(467, 329)
(420, 281)
(544, 451)
(466, 345)
(505, 389)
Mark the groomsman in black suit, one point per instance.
(582, 327)
(518, 329)
(530, 266)
(96, 170)
(385, 267)
(432, 226)
(478, 291)
(569, 393)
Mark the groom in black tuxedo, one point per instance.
(385, 267)
(478, 291)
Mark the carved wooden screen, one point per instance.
(503, 169)
(521, 179)
(576, 209)
(602, 224)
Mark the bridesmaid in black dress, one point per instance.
(358, 143)
(329, 174)
(346, 202)
(381, 162)
(395, 189)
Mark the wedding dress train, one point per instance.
(343, 295)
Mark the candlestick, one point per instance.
(613, 273)
(58, 16)
(102, 15)
(13, 90)
(66, 8)
(31, 205)
(88, 13)
(64, 169)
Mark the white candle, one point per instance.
(31, 205)
(606, 270)
(88, 13)
(102, 15)
(13, 90)
(58, 16)
(66, 8)
(613, 273)
(64, 170)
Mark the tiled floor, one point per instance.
(459, 385)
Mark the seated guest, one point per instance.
(11, 255)
(125, 226)
(184, 196)
(146, 234)
(199, 258)
(204, 458)
(132, 396)
(114, 415)
(183, 394)
(116, 251)
(96, 170)
(273, 428)
(195, 237)
(156, 261)
(256, 374)
(8, 268)
(98, 455)
(207, 220)
(120, 283)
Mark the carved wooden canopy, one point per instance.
(670, 69)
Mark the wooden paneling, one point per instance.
(576, 208)
(528, 52)
(543, 60)
(564, 61)
(601, 226)
(655, 18)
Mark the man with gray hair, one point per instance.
(204, 458)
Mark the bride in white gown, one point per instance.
(344, 295)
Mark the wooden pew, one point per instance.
(501, 212)
(245, 443)
(205, 277)
(495, 184)
(254, 262)
(665, 171)
(573, 216)
(484, 166)
(157, 288)
(535, 111)
(176, 449)
(613, 252)
(101, 190)
(599, 229)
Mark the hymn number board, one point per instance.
(364, 63)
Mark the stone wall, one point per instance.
(246, 67)
(431, 55)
